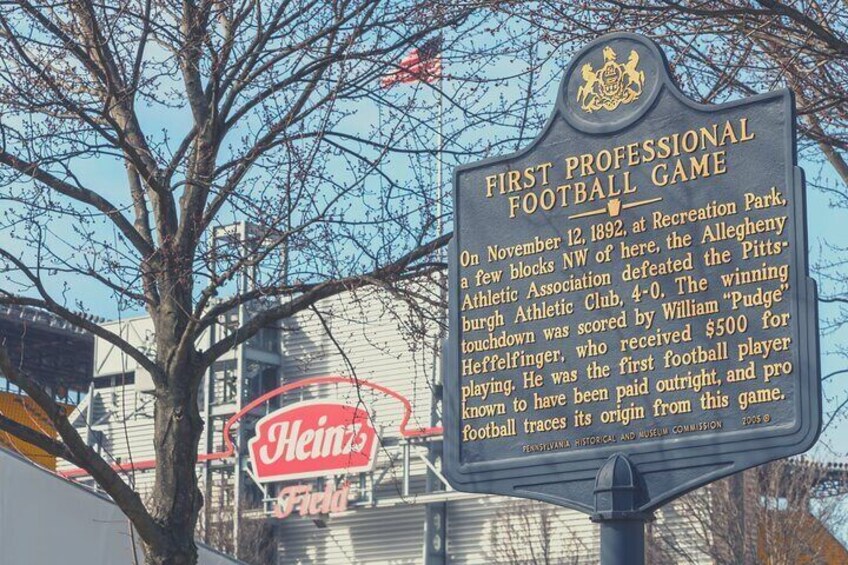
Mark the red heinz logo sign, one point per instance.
(313, 439)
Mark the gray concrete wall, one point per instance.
(47, 520)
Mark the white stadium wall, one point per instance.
(370, 337)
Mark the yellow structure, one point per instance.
(23, 410)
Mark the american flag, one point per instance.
(421, 64)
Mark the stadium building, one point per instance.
(277, 491)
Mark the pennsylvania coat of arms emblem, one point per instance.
(612, 85)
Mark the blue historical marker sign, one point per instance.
(633, 285)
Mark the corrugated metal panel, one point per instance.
(138, 332)
(390, 536)
(680, 537)
(496, 529)
(376, 347)
(108, 359)
(124, 417)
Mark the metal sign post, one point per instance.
(631, 315)
(622, 525)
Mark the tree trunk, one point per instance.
(176, 500)
(171, 555)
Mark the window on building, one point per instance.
(116, 379)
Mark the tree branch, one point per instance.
(318, 292)
(47, 303)
(82, 195)
(128, 500)
(38, 439)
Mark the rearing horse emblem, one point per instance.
(612, 85)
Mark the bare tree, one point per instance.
(781, 513)
(132, 132)
(533, 533)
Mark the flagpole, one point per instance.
(439, 140)
(437, 513)
(440, 222)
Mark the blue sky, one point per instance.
(828, 224)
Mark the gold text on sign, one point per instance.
(596, 179)
(612, 85)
